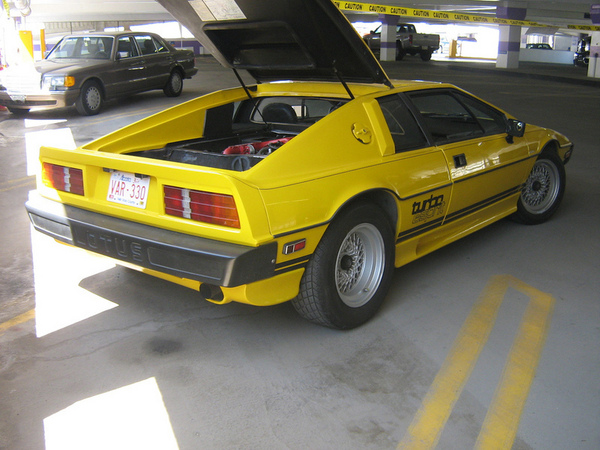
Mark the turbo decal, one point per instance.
(428, 209)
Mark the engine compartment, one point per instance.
(239, 135)
(238, 153)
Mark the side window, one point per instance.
(160, 46)
(445, 117)
(490, 119)
(148, 45)
(126, 48)
(401, 123)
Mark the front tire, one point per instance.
(543, 190)
(90, 99)
(350, 272)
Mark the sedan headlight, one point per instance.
(53, 83)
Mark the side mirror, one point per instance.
(514, 128)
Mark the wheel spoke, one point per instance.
(360, 264)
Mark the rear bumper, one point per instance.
(177, 254)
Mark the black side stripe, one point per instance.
(482, 204)
(421, 229)
(292, 265)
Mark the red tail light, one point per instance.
(208, 207)
(63, 178)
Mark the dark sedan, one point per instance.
(88, 69)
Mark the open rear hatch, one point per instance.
(300, 40)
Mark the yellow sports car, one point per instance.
(310, 189)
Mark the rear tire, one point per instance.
(174, 85)
(350, 272)
(400, 52)
(90, 99)
(426, 55)
(543, 190)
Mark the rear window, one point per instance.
(293, 109)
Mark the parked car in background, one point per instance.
(309, 186)
(88, 69)
(539, 46)
(582, 55)
(407, 41)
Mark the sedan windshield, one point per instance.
(82, 47)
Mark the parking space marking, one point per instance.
(21, 318)
(502, 420)
(17, 183)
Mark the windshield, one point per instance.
(82, 47)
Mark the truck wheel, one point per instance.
(400, 52)
(426, 55)
(89, 101)
(350, 272)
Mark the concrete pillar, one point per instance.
(594, 67)
(388, 38)
(510, 35)
(508, 47)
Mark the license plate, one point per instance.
(128, 189)
(19, 98)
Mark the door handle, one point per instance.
(460, 160)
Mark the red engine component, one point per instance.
(255, 147)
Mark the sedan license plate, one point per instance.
(18, 98)
(128, 189)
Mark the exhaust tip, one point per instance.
(211, 292)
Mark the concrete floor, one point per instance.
(116, 359)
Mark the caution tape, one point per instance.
(6, 8)
(447, 15)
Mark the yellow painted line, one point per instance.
(502, 420)
(16, 184)
(427, 426)
(22, 318)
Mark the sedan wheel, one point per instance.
(543, 190)
(351, 270)
(174, 85)
(89, 101)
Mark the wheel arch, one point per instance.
(551, 146)
(382, 198)
(100, 83)
(178, 68)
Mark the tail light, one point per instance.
(207, 207)
(66, 179)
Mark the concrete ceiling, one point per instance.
(62, 11)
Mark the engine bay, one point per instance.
(239, 135)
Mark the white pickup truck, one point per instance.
(407, 41)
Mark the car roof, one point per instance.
(111, 34)
(300, 40)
